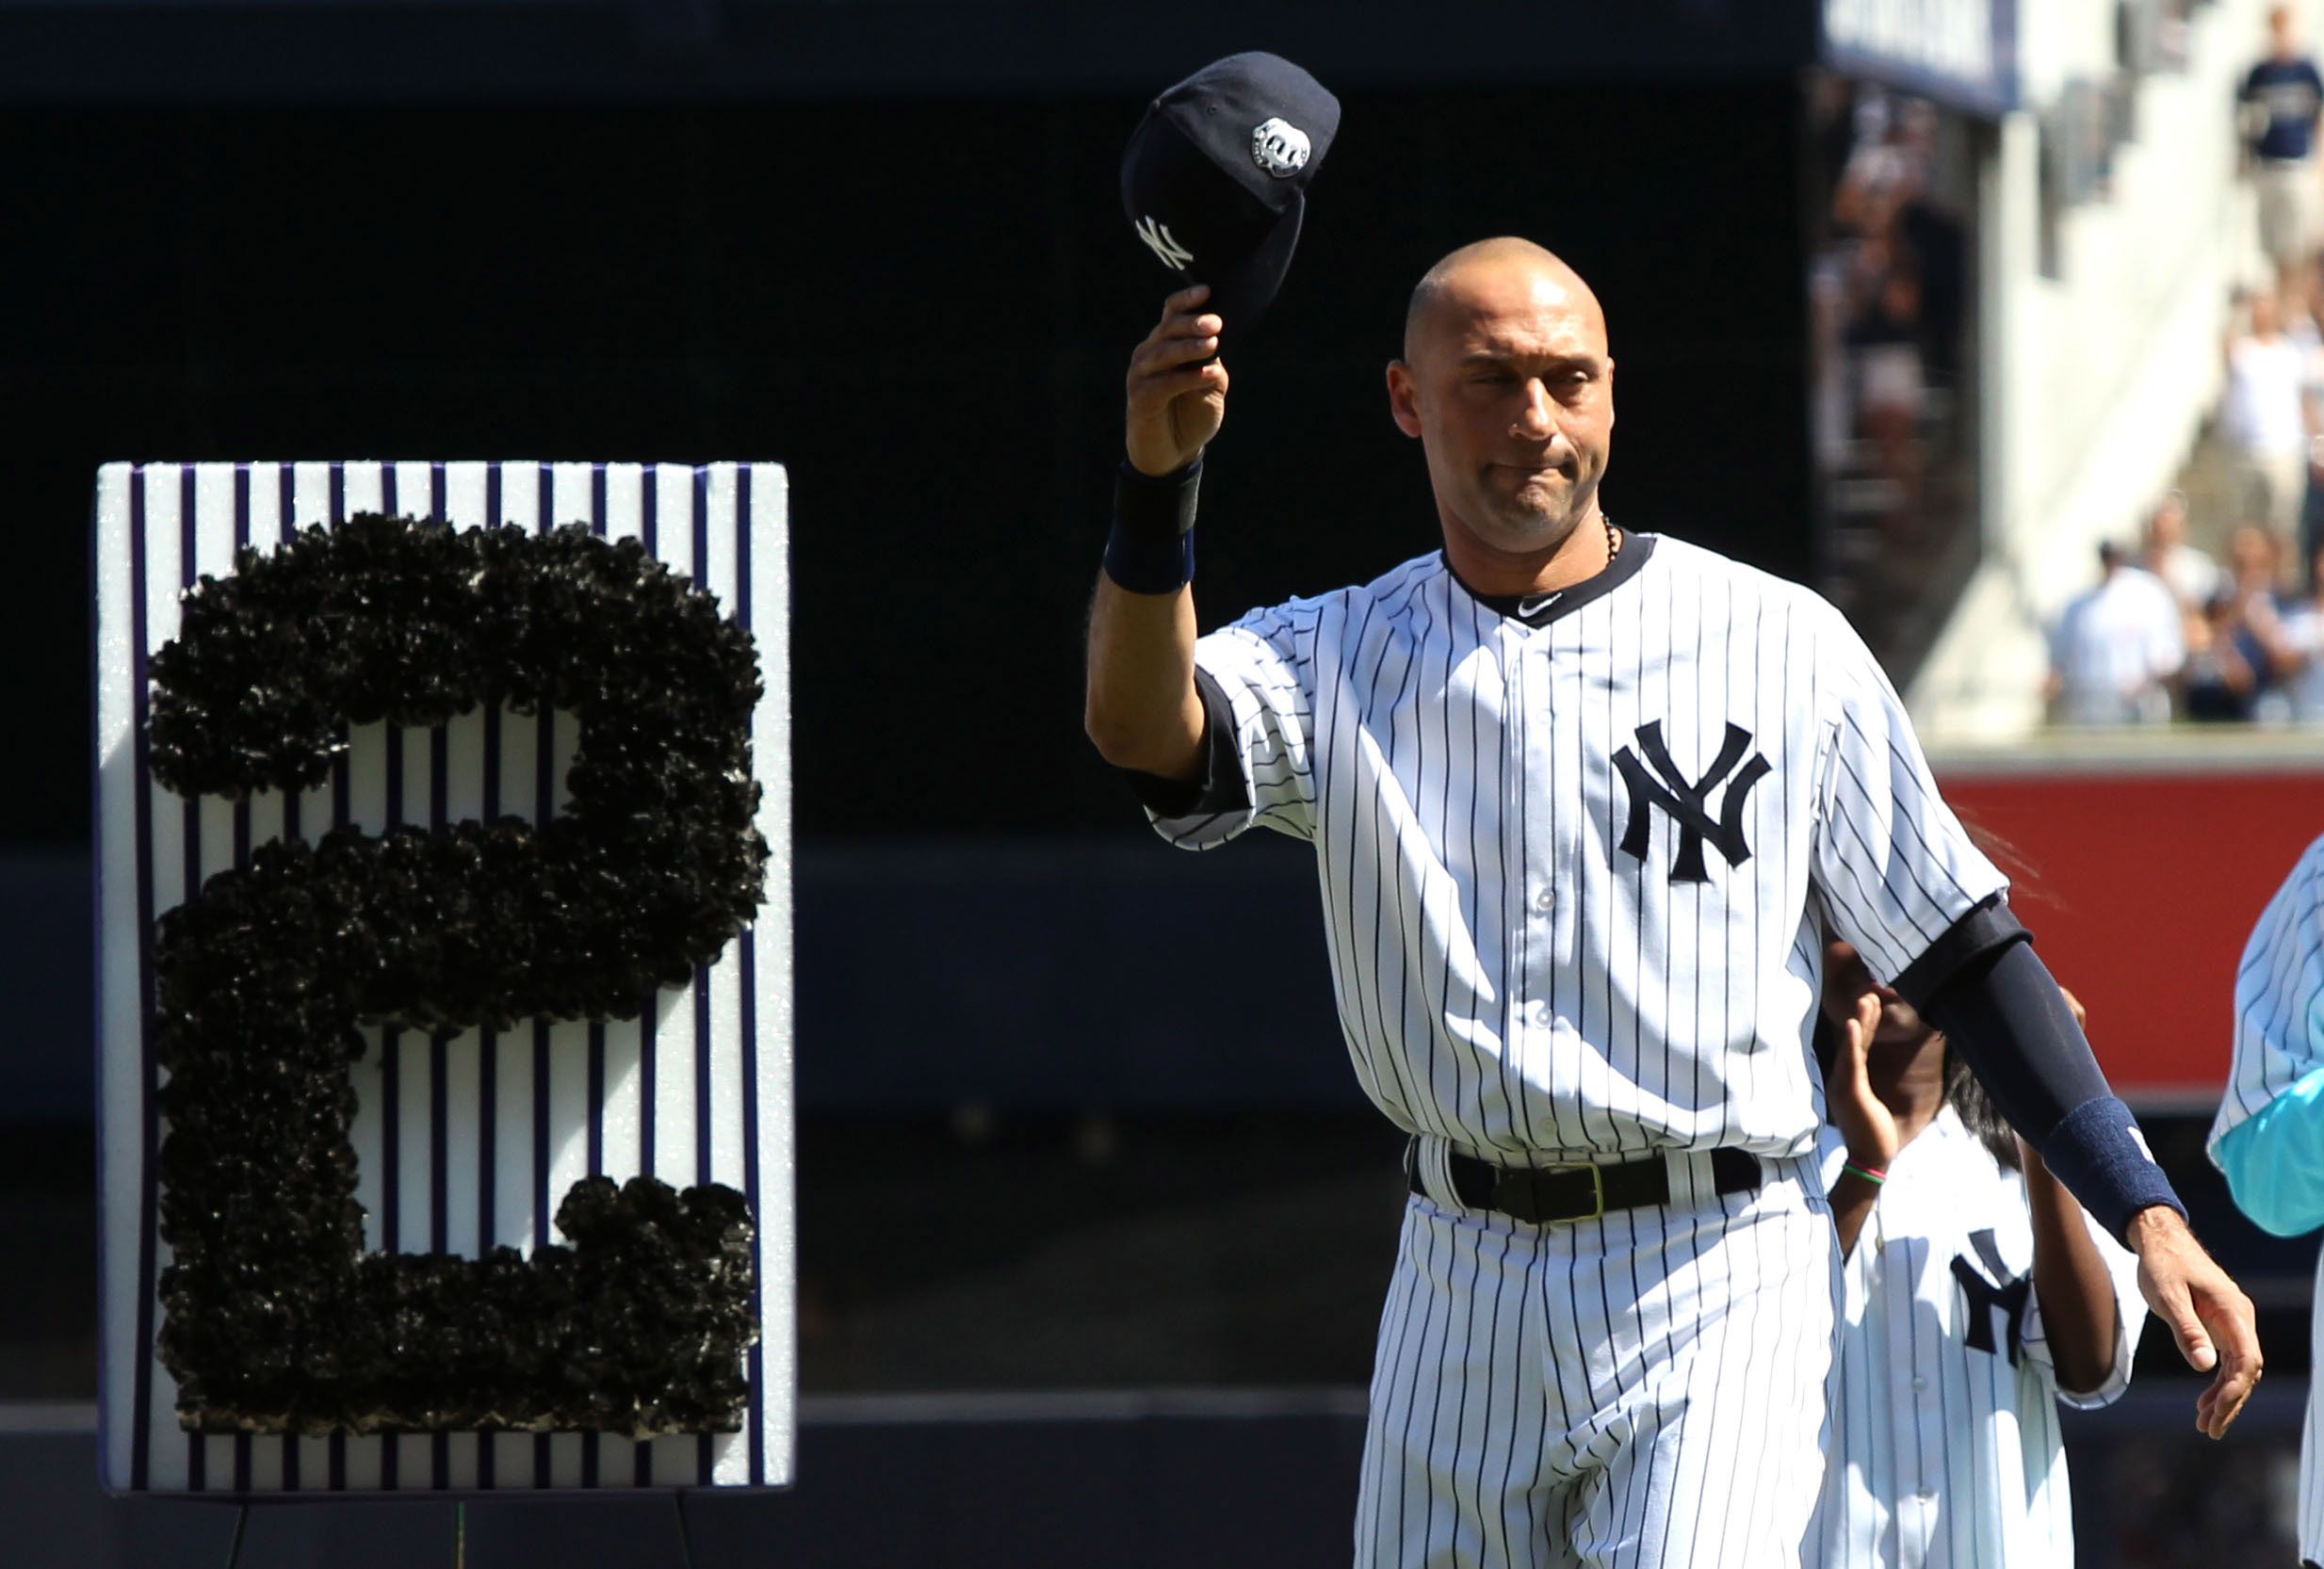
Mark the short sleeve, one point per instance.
(2279, 1046)
(1262, 668)
(2130, 1320)
(1893, 862)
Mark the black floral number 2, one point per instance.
(277, 1320)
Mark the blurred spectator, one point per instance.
(2255, 557)
(2222, 665)
(2303, 638)
(2117, 647)
(2264, 418)
(2240, 664)
(2296, 310)
(2282, 95)
(2191, 577)
(1883, 336)
(1891, 293)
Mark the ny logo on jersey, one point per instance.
(1657, 781)
(1160, 240)
(1986, 1297)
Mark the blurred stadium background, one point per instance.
(1918, 302)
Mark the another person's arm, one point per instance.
(1896, 867)
(2010, 1021)
(2071, 1279)
(1865, 1123)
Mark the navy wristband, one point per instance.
(2100, 1156)
(1151, 548)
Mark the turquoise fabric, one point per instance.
(2274, 1160)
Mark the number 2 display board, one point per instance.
(444, 1029)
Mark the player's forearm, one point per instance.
(2079, 1311)
(2004, 1014)
(1142, 708)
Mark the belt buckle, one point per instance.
(1597, 1190)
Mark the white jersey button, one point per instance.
(1920, 1385)
(1545, 901)
(1537, 1012)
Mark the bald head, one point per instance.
(1492, 273)
(1507, 382)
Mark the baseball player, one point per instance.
(1978, 1295)
(1581, 799)
(2268, 1136)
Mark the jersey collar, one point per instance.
(1539, 610)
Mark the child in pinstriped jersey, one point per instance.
(1944, 1446)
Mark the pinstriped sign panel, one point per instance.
(464, 1142)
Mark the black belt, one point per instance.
(1555, 1193)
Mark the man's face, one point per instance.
(1509, 388)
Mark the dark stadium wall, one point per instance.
(923, 307)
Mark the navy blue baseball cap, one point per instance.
(1215, 177)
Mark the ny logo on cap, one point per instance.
(1160, 240)
(1671, 790)
(1279, 147)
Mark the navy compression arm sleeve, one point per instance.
(2003, 1011)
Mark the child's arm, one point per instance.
(1864, 1122)
(2071, 1282)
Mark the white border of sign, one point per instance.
(470, 1140)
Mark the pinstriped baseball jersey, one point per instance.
(2279, 998)
(2266, 1131)
(1945, 1451)
(1570, 870)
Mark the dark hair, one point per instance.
(1977, 1112)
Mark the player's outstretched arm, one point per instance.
(2079, 1314)
(1142, 708)
(2208, 1313)
(2007, 1015)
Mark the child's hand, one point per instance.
(1863, 1119)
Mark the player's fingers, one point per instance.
(1185, 300)
(1188, 324)
(2178, 1310)
(1176, 326)
(1164, 386)
(1165, 354)
(2235, 1338)
(2222, 1400)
